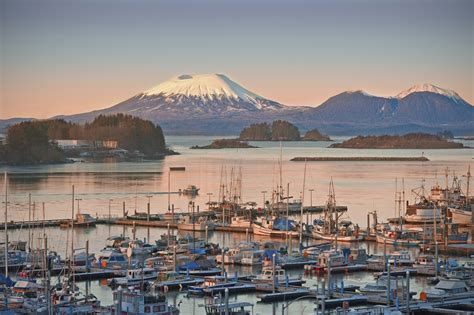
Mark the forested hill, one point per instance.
(31, 142)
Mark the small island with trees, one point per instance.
(408, 141)
(279, 130)
(121, 137)
(226, 144)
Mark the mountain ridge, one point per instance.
(214, 104)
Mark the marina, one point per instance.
(317, 257)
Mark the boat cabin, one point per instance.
(331, 259)
(267, 273)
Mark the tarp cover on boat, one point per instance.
(6, 281)
(268, 253)
(191, 265)
(280, 224)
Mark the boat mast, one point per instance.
(468, 176)
(71, 259)
(288, 238)
(280, 193)
(302, 202)
(6, 225)
(396, 193)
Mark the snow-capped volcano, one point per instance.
(429, 88)
(204, 93)
(203, 85)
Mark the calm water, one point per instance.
(362, 186)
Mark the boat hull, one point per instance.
(461, 216)
(333, 237)
(397, 242)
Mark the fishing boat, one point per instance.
(82, 220)
(241, 221)
(461, 214)
(423, 212)
(398, 237)
(276, 227)
(346, 231)
(330, 227)
(193, 223)
(132, 302)
(134, 276)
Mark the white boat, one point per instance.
(379, 287)
(266, 276)
(199, 224)
(400, 258)
(241, 221)
(447, 289)
(461, 215)
(422, 213)
(331, 258)
(398, 238)
(252, 258)
(135, 276)
(346, 232)
(135, 302)
(234, 255)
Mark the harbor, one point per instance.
(275, 253)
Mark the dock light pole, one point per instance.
(6, 225)
(148, 207)
(263, 192)
(209, 201)
(110, 213)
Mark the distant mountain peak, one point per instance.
(207, 86)
(359, 92)
(426, 87)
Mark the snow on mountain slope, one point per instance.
(203, 85)
(429, 88)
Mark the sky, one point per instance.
(66, 57)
